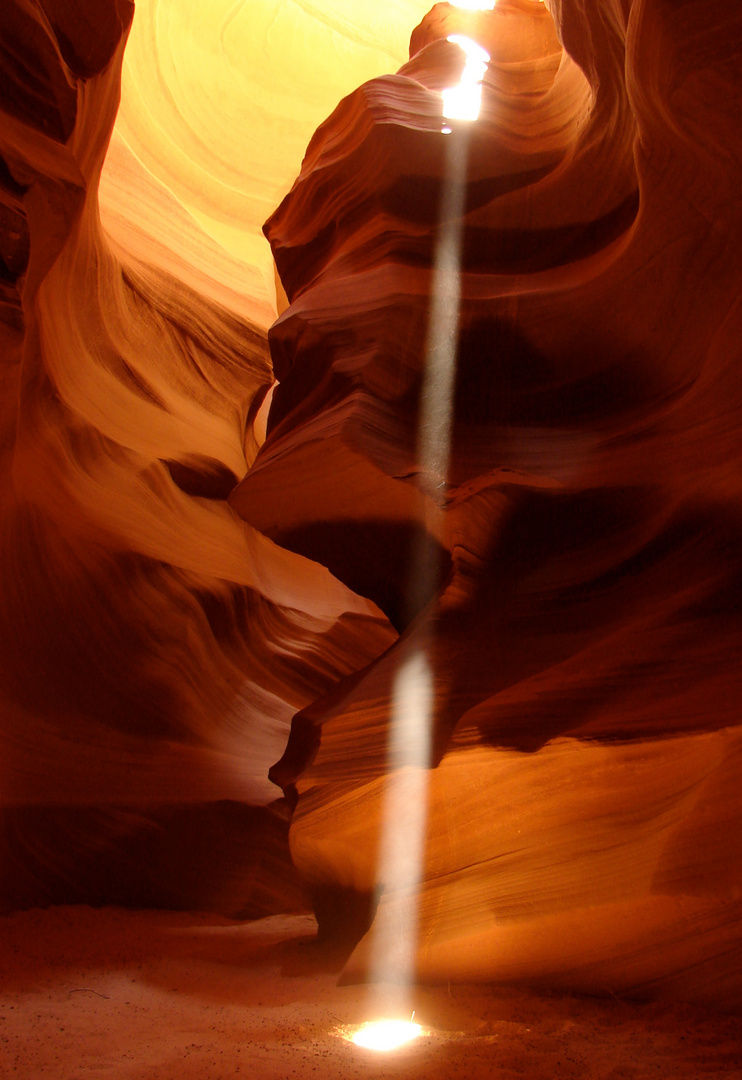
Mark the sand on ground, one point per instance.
(113, 994)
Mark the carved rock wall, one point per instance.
(580, 608)
(582, 624)
(154, 647)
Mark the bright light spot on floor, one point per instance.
(386, 1034)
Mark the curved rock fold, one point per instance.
(181, 587)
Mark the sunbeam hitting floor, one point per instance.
(494, 511)
(161, 996)
(403, 839)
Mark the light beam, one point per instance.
(463, 101)
(394, 934)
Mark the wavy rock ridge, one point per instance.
(154, 647)
(583, 621)
(580, 606)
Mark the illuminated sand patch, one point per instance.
(385, 1035)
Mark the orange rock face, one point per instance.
(555, 538)
(579, 610)
(154, 647)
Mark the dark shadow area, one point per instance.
(375, 560)
(503, 378)
(224, 857)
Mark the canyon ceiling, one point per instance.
(206, 577)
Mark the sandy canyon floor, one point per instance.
(130, 995)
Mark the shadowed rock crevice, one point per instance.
(179, 592)
(581, 655)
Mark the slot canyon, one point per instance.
(371, 600)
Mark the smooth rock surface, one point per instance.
(154, 647)
(192, 556)
(580, 613)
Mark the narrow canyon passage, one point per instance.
(327, 409)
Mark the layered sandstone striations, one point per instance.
(582, 612)
(154, 647)
(580, 602)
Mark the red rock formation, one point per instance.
(153, 646)
(583, 623)
(580, 604)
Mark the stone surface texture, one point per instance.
(182, 576)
